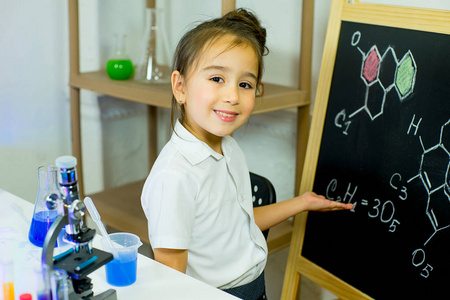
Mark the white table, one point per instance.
(154, 280)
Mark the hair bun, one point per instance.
(248, 19)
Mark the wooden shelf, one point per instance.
(276, 97)
(152, 94)
(121, 209)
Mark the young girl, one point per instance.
(198, 198)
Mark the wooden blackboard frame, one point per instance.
(427, 20)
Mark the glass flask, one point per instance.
(119, 66)
(47, 207)
(154, 63)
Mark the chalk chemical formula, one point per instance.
(433, 166)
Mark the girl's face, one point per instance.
(219, 94)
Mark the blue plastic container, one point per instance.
(122, 270)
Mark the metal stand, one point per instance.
(77, 263)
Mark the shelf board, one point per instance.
(152, 94)
(276, 97)
(120, 208)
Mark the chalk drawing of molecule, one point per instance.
(381, 83)
(434, 173)
(380, 74)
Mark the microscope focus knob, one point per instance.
(77, 210)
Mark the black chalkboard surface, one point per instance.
(386, 148)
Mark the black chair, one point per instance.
(263, 193)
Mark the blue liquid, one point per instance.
(121, 274)
(40, 225)
(44, 297)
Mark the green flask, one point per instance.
(119, 67)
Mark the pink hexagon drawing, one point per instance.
(371, 66)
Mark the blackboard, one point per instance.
(391, 160)
(385, 147)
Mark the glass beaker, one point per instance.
(119, 66)
(47, 207)
(154, 63)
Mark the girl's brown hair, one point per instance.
(240, 23)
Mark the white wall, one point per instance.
(34, 94)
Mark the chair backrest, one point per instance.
(263, 193)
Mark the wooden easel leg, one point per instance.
(290, 286)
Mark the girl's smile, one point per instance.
(226, 116)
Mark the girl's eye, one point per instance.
(217, 79)
(245, 85)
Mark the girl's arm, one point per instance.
(270, 215)
(174, 258)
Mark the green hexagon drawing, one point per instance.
(405, 76)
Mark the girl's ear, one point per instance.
(178, 87)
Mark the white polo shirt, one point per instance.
(197, 199)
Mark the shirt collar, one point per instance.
(194, 150)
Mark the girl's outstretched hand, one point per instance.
(271, 215)
(313, 202)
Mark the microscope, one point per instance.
(82, 259)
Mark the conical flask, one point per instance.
(154, 63)
(119, 66)
(47, 207)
